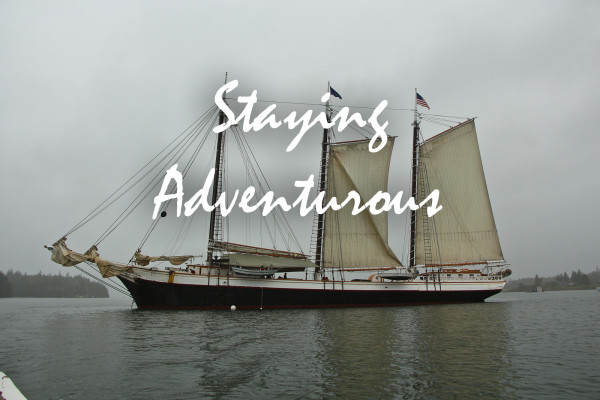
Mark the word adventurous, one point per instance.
(201, 199)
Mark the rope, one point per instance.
(92, 214)
(186, 169)
(112, 286)
(176, 153)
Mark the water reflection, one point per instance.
(357, 352)
(529, 346)
(406, 352)
(462, 349)
(425, 352)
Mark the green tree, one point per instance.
(5, 286)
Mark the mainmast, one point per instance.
(322, 183)
(215, 223)
(413, 213)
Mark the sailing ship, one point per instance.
(455, 256)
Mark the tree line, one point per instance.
(563, 281)
(17, 284)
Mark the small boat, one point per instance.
(396, 276)
(8, 390)
(256, 272)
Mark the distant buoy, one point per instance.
(233, 308)
(163, 214)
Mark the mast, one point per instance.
(413, 193)
(322, 181)
(216, 188)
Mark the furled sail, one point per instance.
(242, 248)
(254, 260)
(357, 241)
(141, 259)
(464, 231)
(64, 256)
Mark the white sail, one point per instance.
(464, 230)
(357, 241)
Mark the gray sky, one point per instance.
(90, 90)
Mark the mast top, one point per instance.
(416, 120)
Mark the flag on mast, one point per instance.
(421, 101)
(334, 93)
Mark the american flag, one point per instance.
(421, 101)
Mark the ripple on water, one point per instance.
(517, 345)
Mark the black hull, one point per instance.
(157, 295)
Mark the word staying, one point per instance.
(268, 201)
(267, 118)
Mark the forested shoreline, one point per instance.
(17, 284)
(576, 280)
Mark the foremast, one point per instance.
(214, 233)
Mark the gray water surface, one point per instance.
(516, 345)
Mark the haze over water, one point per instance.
(516, 345)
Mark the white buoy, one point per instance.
(233, 308)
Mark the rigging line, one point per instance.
(445, 116)
(457, 219)
(253, 176)
(321, 104)
(433, 121)
(278, 216)
(225, 187)
(165, 205)
(184, 174)
(85, 220)
(132, 205)
(405, 245)
(366, 131)
(373, 108)
(437, 242)
(176, 242)
(102, 281)
(441, 121)
(249, 171)
(438, 122)
(349, 106)
(337, 221)
(355, 129)
(187, 138)
(175, 245)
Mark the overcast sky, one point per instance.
(90, 90)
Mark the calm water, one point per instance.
(517, 345)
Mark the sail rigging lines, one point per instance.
(257, 179)
(446, 121)
(351, 106)
(121, 190)
(176, 152)
(117, 287)
(183, 147)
